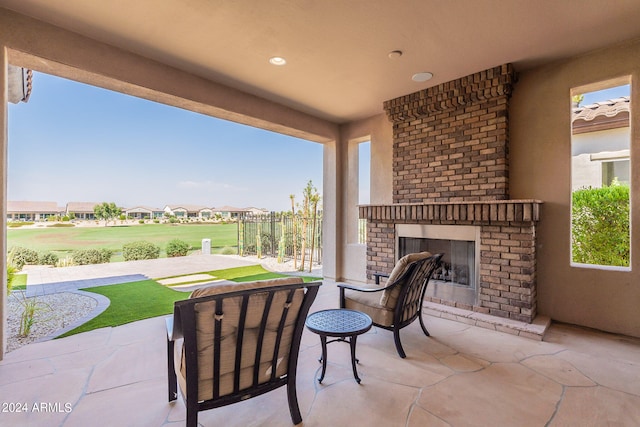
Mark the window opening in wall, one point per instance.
(364, 185)
(600, 175)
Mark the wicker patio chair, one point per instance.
(399, 302)
(230, 343)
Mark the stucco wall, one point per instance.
(378, 130)
(3, 185)
(540, 162)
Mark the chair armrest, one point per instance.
(169, 323)
(174, 331)
(378, 276)
(358, 288)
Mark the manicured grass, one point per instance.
(65, 240)
(251, 273)
(131, 302)
(135, 301)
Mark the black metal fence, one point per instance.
(281, 235)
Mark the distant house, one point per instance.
(32, 211)
(81, 210)
(255, 211)
(600, 144)
(19, 83)
(143, 212)
(228, 212)
(189, 211)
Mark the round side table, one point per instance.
(342, 324)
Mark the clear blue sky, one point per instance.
(606, 94)
(73, 142)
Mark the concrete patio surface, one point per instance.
(463, 375)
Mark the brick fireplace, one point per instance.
(451, 168)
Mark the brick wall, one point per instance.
(507, 285)
(451, 166)
(450, 142)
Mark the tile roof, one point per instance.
(142, 208)
(228, 209)
(29, 207)
(610, 108)
(81, 206)
(188, 208)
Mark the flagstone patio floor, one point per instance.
(463, 375)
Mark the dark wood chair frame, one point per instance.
(183, 325)
(413, 283)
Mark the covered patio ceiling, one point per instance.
(337, 52)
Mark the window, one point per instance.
(364, 185)
(617, 170)
(600, 175)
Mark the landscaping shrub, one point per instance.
(140, 250)
(91, 256)
(228, 250)
(600, 226)
(177, 247)
(15, 224)
(47, 258)
(11, 274)
(19, 257)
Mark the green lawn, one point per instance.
(250, 273)
(131, 302)
(64, 240)
(141, 300)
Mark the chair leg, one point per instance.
(424, 328)
(172, 381)
(192, 415)
(396, 339)
(292, 396)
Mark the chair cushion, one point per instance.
(390, 297)
(205, 311)
(369, 303)
(241, 286)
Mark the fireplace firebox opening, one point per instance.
(457, 278)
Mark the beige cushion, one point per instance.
(232, 287)
(369, 303)
(390, 297)
(231, 308)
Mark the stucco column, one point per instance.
(332, 188)
(4, 138)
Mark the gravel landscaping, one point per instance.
(54, 312)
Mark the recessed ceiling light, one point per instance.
(395, 54)
(422, 77)
(277, 60)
